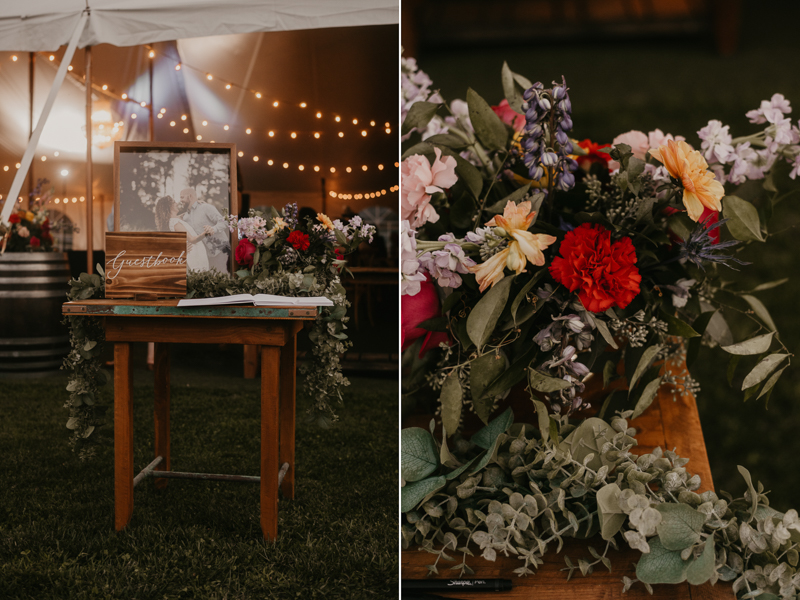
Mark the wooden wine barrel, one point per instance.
(33, 286)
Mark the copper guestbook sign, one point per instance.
(145, 265)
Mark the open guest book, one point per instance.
(257, 300)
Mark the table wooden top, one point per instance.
(169, 308)
(671, 422)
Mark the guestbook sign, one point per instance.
(146, 265)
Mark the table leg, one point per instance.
(270, 398)
(123, 435)
(287, 411)
(161, 410)
(250, 361)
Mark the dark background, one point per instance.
(673, 65)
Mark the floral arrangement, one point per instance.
(277, 255)
(535, 260)
(29, 230)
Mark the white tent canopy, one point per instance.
(42, 25)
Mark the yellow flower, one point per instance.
(30, 216)
(700, 187)
(279, 223)
(325, 220)
(523, 246)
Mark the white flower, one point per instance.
(409, 264)
(716, 144)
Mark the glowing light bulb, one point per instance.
(44, 158)
(56, 200)
(333, 169)
(205, 123)
(269, 162)
(363, 167)
(396, 164)
(275, 104)
(255, 159)
(301, 167)
(372, 123)
(316, 135)
(355, 121)
(303, 105)
(199, 137)
(83, 198)
(241, 154)
(337, 119)
(124, 96)
(14, 58)
(341, 134)
(380, 167)
(319, 115)
(225, 127)
(19, 165)
(142, 104)
(349, 170)
(152, 54)
(5, 168)
(209, 77)
(163, 110)
(387, 124)
(172, 123)
(74, 200)
(364, 134)
(294, 135)
(69, 68)
(316, 168)
(285, 165)
(55, 153)
(52, 58)
(178, 67)
(105, 87)
(160, 115)
(133, 116)
(388, 130)
(227, 86)
(271, 134)
(333, 194)
(248, 131)
(185, 130)
(258, 94)
(183, 117)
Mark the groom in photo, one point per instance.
(204, 217)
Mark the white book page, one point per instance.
(219, 301)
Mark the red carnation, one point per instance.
(35, 242)
(603, 273)
(244, 252)
(14, 219)
(299, 240)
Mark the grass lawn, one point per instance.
(198, 539)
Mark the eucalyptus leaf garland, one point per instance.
(321, 375)
(517, 490)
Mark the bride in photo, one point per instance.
(167, 220)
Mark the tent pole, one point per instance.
(31, 73)
(152, 123)
(89, 194)
(27, 158)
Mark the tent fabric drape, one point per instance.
(44, 25)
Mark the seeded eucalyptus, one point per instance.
(520, 490)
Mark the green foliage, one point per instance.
(535, 489)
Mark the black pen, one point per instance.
(413, 586)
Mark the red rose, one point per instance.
(35, 243)
(509, 116)
(594, 155)
(299, 240)
(603, 273)
(46, 237)
(14, 219)
(244, 253)
(415, 309)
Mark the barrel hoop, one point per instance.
(57, 351)
(34, 341)
(17, 268)
(21, 257)
(17, 281)
(33, 294)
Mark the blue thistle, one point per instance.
(699, 247)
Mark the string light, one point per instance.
(160, 115)
(163, 110)
(294, 135)
(133, 116)
(172, 123)
(205, 123)
(199, 137)
(124, 96)
(349, 170)
(209, 77)
(319, 115)
(269, 162)
(185, 130)
(142, 103)
(364, 134)
(300, 167)
(44, 158)
(255, 159)
(5, 168)
(316, 168)
(363, 167)
(105, 87)
(355, 121)
(69, 68)
(14, 58)
(18, 165)
(55, 153)
(183, 117)
(271, 134)
(337, 119)
(341, 134)
(258, 94)
(178, 67)
(285, 165)
(52, 58)
(152, 54)
(316, 135)
(241, 154)
(226, 128)
(228, 86)
(333, 169)
(372, 123)
(363, 196)
(248, 131)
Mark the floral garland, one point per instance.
(516, 490)
(287, 258)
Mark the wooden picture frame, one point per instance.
(147, 172)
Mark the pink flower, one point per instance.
(420, 179)
(509, 116)
(22, 231)
(416, 309)
(641, 143)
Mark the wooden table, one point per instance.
(668, 423)
(274, 329)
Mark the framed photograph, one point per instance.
(179, 187)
